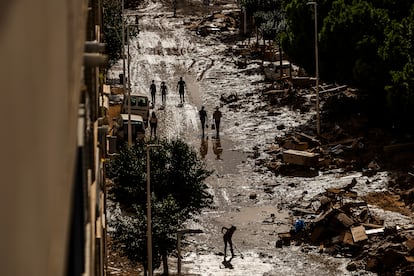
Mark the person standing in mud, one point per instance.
(163, 89)
(181, 85)
(153, 90)
(227, 239)
(153, 124)
(217, 119)
(203, 115)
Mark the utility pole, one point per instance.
(149, 222)
(125, 87)
(318, 118)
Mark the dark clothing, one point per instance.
(217, 119)
(203, 115)
(181, 85)
(227, 239)
(163, 93)
(153, 125)
(153, 90)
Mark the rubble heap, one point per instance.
(340, 223)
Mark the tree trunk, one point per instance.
(165, 264)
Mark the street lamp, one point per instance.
(123, 80)
(318, 118)
(149, 231)
(129, 87)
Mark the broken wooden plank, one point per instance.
(296, 145)
(313, 139)
(344, 220)
(344, 141)
(298, 157)
(347, 237)
(303, 211)
(371, 225)
(358, 233)
(374, 231)
(333, 90)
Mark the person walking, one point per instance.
(153, 125)
(203, 115)
(217, 119)
(181, 85)
(153, 90)
(163, 89)
(227, 239)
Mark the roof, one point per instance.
(133, 117)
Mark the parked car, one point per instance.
(139, 106)
(137, 127)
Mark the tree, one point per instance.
(398, 52)
(268, 15)
(112, 30)
(365, 43)
(178, 193)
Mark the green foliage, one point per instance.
(298, 40)
(112, 29)
(398, 52)
(178, 191)
(366, 43)
(268, 15)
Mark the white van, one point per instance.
(139, 106)
(137, 127)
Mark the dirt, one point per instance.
(246, 192)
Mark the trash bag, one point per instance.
(299, 225)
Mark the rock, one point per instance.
(279, 244)
(253, 196)
(352, 266)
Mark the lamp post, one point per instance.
(318, 119)
(126, 88)
(149, 230)
(129, 93)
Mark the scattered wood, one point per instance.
(371, 225)
(303, 211)
(374, 231)
(312, 139)
(300, 157)
(358, 233)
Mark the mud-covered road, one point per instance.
(244, 195)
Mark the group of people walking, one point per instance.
(216, 120)
(181, 86)
(153, 91)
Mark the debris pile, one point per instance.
(215, 23)
(341, 224)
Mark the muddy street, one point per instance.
(254, 200)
